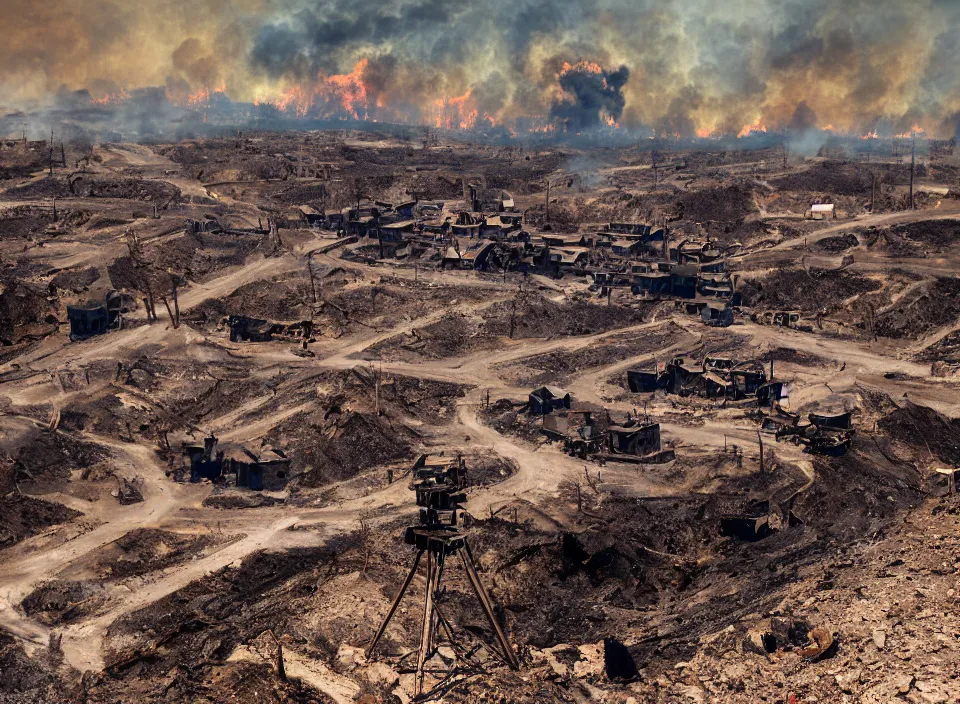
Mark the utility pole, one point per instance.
(913, 164)
(760, 440)
(313, 285)
(547, 205)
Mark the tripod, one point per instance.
(439, 543)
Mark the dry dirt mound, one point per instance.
(526, 316)
(76, 280)
(286, 299)
(843, 178)
(63, 602)
(924, 434)
(726, 204)
(141, 552)
(197, 257)
(177, 646)
(345, 435)
(937, 234)
(47, 458)
(90, 186)
(813, 291)
(835, 245)
(922, 310)
(561, 366)
(28, 679)
(24, 516)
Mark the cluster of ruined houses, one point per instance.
(269, 472)
(733, 381)
(491, 237)
(714, 378)
(587, 432)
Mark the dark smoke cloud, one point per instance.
(588, 94)
(692, 66)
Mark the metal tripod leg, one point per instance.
(466, 555)
(396, 603)
(439, 561)
(426, 631)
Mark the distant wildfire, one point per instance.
(689, 69)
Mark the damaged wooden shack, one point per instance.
(269, 471)
(247, 329)
(586, 432)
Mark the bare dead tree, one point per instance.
(363, 535)
(142, 271)
(516, 304)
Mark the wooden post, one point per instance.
(546, 220)
(281, 670)
(169, 311)
(176, 301)
(313, 284)
(913, 164)
(760, 440)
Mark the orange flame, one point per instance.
(346, 93)
(198, 99)
(111, 98)
(870, 135)
(455, 113)
(757, 126)
(611, 121)
(914, 131)
(704, 132)
(582, 66)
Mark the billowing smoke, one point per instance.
(684, 67)
(589, 94)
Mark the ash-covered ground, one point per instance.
(330, 307)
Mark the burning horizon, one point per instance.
(688, 68)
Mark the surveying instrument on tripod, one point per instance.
(439, 484)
